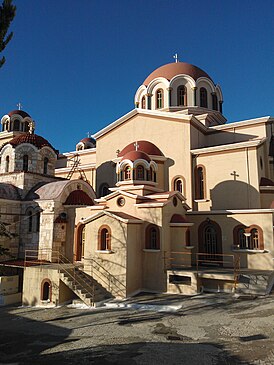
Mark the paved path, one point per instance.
(208, 329)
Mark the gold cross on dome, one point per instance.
(19, 106)
(234, 174)
(136, 146)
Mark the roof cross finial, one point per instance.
(176, 57)
(136, 146)
(19, 106)
(88, 134)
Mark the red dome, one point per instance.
(136, 155)
(33, 139)
(144, 146)
(20, 112)
(170, 70)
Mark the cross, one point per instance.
(176, 57)
(88, 134)
(19, 106)
(117, 152)
(136, 146)
(234, 175)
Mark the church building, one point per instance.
(168, 198)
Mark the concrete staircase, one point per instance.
(84, 286)
(256, 283)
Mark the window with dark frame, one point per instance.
(159, 99)
(203, 97)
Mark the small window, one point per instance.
(104, 239)
(214, 102)
(143, 103)
(30, 221)
(16, 125)
(254, 239)
(152, 238)
(140, 173)
(178, 185)
(203, 97)
(7, 167)
(199, 183)
(46, 163)
(181, 96)
(25, 163)
(127, 173)
(38, 217)
(159, 99)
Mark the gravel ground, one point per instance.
(206, 329)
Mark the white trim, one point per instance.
(201, 200)
(231, 146)
(150, 205)
(112, 215)
(248, 122)
(151, 250)
(233, 211)
(181, 224)
(81, 152)
(81, 167)
(247, 250)
(104, 251)
(136, 111)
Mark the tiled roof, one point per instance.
(78, 197)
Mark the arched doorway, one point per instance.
(210, 242)
(80, 238)
(46, 290)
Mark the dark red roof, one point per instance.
(136, 155)
(170, 70)
(78, 197)
(266, 182)
(20, 112)
(33, 139)
(88, 139)
(144, 146)
(178, 218)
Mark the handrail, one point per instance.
(108, 276)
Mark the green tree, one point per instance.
(7, 13)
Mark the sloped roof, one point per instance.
(9, 192)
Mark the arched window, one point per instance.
(140, 173)
(159, 99)
(143, 102)
(46, 163)
(127, 173)
(210, 241)
(178, 185)
(30, 221)
(16, 125)
(214, 102)
(38, 217)
(199, 182)
(203, 97)
(104, 239)
(7, 167)
(254, 240)
(25, 163)
(152, 237)
(26, 127)
(181, 96)
(239, 237)
(46, 290)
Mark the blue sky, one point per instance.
(75, 65)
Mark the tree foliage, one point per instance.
(7, 13)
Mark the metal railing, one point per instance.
(203, 261)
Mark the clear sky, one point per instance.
(75, 64)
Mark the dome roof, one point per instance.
(170, 70)
(144, 146)
(88, 141)
(33, 139)
(19, 112)
(136, 155)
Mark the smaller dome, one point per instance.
(144, 146)
(136, 155)
(33, 139)
(19, 112)
(89, 142)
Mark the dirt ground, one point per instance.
(206, 329)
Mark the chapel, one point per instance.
(171, 197)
